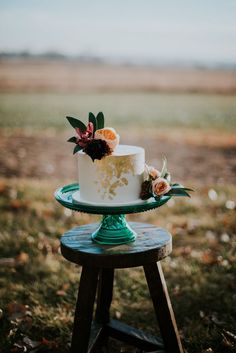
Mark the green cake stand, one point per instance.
(113, 229)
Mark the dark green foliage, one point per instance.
(72, 139)
(93, 120)
(179, 190)
(77, 149)
(76, 123)
(100, 121)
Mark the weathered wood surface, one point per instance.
(151, 245)
(163, 308)
(84, 310)
(104, 295)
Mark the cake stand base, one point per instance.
(114, 230)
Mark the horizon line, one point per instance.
(121, 60)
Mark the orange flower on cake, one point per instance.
(109, 135)
(160, 186)
(153, 172)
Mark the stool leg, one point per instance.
(104, 299)
(84, 310)
(163, 308)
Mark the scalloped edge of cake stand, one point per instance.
(64, 195)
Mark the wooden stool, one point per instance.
(98, 263)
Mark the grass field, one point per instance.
(37, 110)
(196, 132)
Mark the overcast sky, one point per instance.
(203, 30)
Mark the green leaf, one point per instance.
(77, 149)
(164, 168)
(93, 120)
(179, 186)
(76, 123)
(72, 139)
(167, 176)
(188, 189)
(177, 192)
(100, 121)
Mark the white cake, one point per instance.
(113, 180)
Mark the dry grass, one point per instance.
(71, 76)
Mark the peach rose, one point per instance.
(153, 172)
(109, 135)
(150, 171)
(160, 186)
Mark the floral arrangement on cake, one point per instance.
(98, 142)
(94, 139)
(158, 183)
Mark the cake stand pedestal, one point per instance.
(113, 229)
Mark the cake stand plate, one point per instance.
(113, 229)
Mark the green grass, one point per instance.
(159, 109)
(200, 272)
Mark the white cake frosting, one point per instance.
(115, 179)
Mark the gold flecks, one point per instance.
(125, 181)
(111, 171)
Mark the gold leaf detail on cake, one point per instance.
(124, 181)
(111, 174)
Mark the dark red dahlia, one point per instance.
(97, 149)
(146, 192)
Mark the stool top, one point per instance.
(151, 245)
